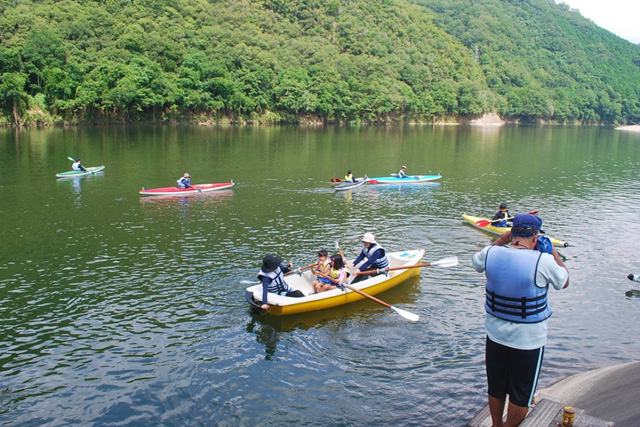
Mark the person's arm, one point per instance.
(504, 239)
(357, 260)
(479, 259)
(558, 260)
(265, 292)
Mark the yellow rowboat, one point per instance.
(281, 306)
(473, 220)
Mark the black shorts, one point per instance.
(513, 372)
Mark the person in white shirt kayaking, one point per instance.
(401, 172)
(77, 166)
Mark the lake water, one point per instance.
(123, 310)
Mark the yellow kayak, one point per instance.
(473, 220)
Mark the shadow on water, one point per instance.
(269, 329)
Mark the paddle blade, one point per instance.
(406, 314)
(71, 158)
(483, 223)
(372, 181)
(248, 282)
(336, 180)
(446, 262)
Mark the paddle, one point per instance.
(199, 190)
(336, 180)
(444, 262)
(486, 222)
(404, 313)
(74, 160)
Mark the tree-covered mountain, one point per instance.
(270, 61)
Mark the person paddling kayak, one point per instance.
(77, 166)
(401, 172)
(184, 181)
(501, 217)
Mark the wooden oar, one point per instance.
(404, 313)
(486, 222)
(301, 269)
(444, 262)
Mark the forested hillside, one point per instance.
(273, 61)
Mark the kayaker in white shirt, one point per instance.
(77, 166)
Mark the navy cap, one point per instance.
(270, 263)
(525, 225)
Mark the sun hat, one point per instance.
(270, 263)
(186, 175)
(403, 167)
(369, 238)
(525, 225)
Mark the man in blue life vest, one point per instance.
(376, 257)
(517, 311)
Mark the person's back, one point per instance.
(77, 166)
(349, 177)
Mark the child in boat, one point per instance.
(337, 275)
(349, 177)
(501, 217)
(321, 270)
(185, 181)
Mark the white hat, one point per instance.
(369, 238)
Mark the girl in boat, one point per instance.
(337, 275)
(321, 270)
(349, 177)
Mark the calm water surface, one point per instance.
(122, 310)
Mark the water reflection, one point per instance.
(192, 199)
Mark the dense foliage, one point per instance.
(273, 61)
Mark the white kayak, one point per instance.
(73, 174)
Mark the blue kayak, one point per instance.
(415, 179)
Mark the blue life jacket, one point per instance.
(381, 262)
(277, 285)
(511, 292)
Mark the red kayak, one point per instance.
(194, 189)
